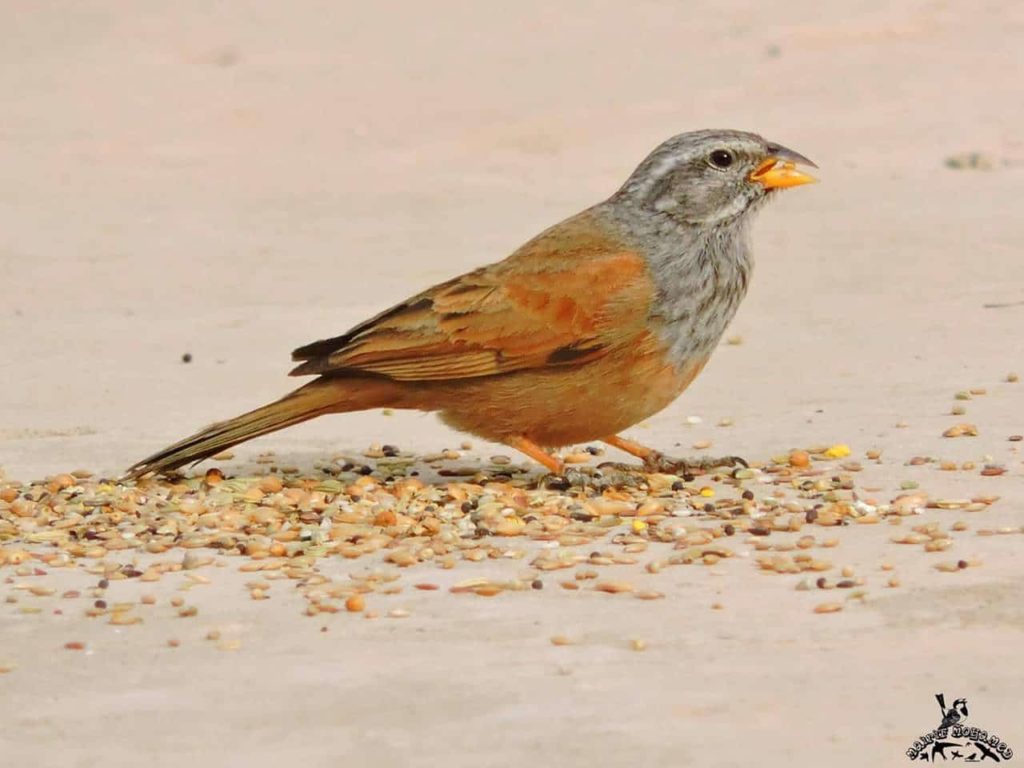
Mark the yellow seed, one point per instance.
(638, 645)
(838, 451)
(560, 640)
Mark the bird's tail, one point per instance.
(316, 398)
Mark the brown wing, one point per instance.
(547, 305)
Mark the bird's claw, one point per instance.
(599, 479)
(669, 465)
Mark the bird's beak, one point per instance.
(778, 170)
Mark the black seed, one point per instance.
(557, 483)
(187, 357)
(366, 470)
(537, 584)
(688, 478)
(811, 516)
(821, 582)
(678, 485)
(709, 507)
(101, 604)
(748, 495)
(729, 529)
(103, 584)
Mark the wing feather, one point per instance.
(544, 306)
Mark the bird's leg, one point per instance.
(655, 461)
(538, 454)
(564, 477)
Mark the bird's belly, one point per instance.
(558, 406)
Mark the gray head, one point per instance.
(712, 177)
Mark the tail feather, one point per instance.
(307, 402)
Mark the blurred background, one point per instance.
(231, 180)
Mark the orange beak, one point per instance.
(778, 170)
(776, 174)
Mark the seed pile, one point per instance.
(283, 524)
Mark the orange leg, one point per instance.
(537, 453)
(656, 461)
(633, 449)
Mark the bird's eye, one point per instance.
(721, 158)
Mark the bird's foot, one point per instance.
(669, 465)
(598, 479)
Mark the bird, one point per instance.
(590, 327)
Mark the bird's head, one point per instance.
(712, 177)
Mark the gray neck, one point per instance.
(701, 274)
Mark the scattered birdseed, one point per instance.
(281, 524)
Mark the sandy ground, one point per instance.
(234, 180)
